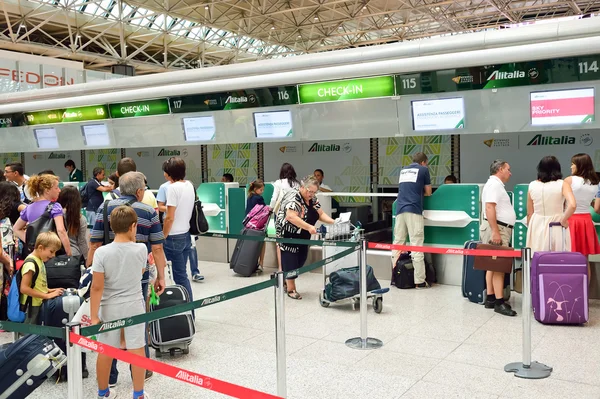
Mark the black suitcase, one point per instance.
(63, 271)
(26, 364)
(173, 333)
(403, 273)
(474, 285)
(345, 283)
(244, 260)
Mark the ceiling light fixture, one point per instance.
(206, 7)
(272, 28)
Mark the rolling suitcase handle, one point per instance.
(564, 236)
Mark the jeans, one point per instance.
(114, 373)
(177, 250)
(193, 257)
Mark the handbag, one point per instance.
(40, 225)
(64, 271)
(493, 263)
(198, 222)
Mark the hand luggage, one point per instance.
(559, 286)
(258, 218)
(42, 224)
(345, 283)
(403, 274)
(26, 364)
(473, 281)
(63, 271)
(244, 260)
(174, 332)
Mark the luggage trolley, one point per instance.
(345, 231)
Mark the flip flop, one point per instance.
(294, 294)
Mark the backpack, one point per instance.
(198, 222)
(42, 224)
(403, 274)
(258, 218)
(15, 311)
(106, 223)
(85, 198)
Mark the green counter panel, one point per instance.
(213, 193)
(451, 235)
(596, 219)
(237, 209)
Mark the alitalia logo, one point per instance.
(539, 139)
(192, 378)
(316, 147)
(214, 299)
(86, 343)
(112, 325)
(241, 99)
(56, 155)
(499, 75)
(169, 153)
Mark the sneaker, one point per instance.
(422, 286)
(490, 304)
(112, 394)
(505, 310)
(145, 396)
(197, 278)
(149, 374)
(112, 384)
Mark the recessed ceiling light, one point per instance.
(206, 7)
(386, 18)
(22, 26)
(272, 28)
(316, 18)
(299, 36)
(364, 7)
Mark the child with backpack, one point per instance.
(31, 278)
(255, 192)
(116, 293)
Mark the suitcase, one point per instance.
(403, 274)
(57, 312)
(173, 333)
(559, 286)
(244, 260)
(474, 285)
(26, 364)
(345, 283)
(63, 271)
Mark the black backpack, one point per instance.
(85, 198)
(42, 224)
(198, 222)
(106, 223)
(403, 274)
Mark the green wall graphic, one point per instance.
(397, 152)
(240, 160)
(10, 157)
(106, 158)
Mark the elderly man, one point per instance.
(149, 232)
(496, 228)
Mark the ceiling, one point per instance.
(156, 36)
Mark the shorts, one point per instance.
(135, 336)
(485, 233)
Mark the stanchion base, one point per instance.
(359, 343)
(535, 371)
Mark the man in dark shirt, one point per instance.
(414, 184)
(94, 190)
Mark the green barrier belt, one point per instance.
(320, 263)
(54, 332)
(211, 300)
(282, 240)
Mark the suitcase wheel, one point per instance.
(186, 351)
(378, 304)
(322, 302)
(158, 353)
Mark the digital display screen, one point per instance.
(46, 138)
(274, 124)
(96, 135)
(200, 128)
(562, 107)
(442, 114)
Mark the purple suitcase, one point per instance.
(559, 286)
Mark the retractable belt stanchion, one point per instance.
(74, 372)
(280, 335)
(363, 342)
(527, 368)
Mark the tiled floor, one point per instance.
(436, 345)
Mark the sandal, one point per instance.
(294, 294)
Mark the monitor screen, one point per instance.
(442, 114)
(562, 107)
(46, 138)
(199, 128)
(274, 124)
(95, 135)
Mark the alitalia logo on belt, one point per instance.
(193, 378)
(111, 325)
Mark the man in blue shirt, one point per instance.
(414, 184)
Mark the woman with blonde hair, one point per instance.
(44, 189)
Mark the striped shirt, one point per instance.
(149, 230)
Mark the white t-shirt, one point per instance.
(584, 193)
(494, 192)
(181, 195)
(280, 187)
(325, 186)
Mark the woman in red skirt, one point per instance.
(584, 182)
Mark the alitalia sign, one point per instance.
(317, 147)
(540, 139)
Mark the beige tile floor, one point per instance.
(436, 345)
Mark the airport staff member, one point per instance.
(499, 218)
(415, 183)
(74, 173)
(319, 175)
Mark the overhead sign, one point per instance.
(65, 115)
(442, 114)
(562, 107)
(560, 70)
(249, 98)
(11, 120)
(139, 108)
(275, 124)
(353, 89)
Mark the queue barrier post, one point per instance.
(527, 369)
(280, 335)
(74, 367)
(363, 342)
